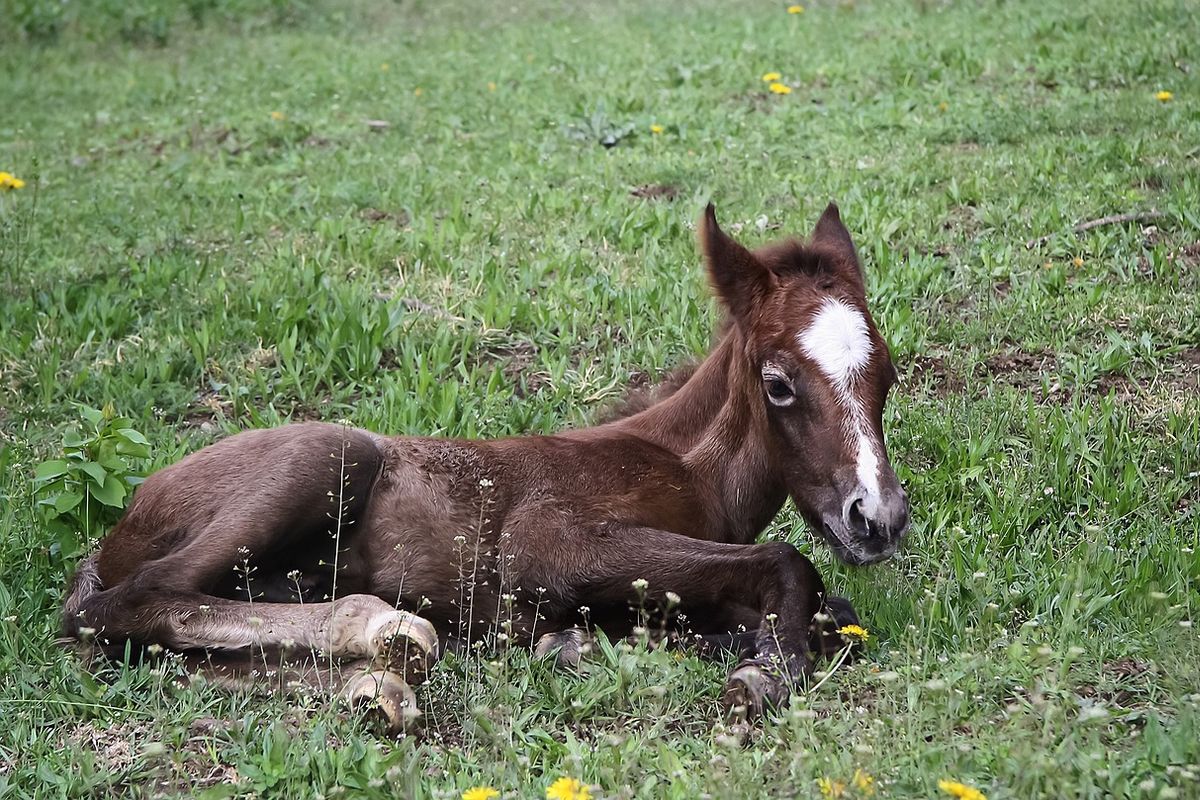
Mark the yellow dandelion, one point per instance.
(417, 92)
(1077, 261)
(480, 793)
(855, 632)
(771, 77)
(961, 790)
(656, 128)
(796, 9)
(943, 106)
(384, 67)
(568, 789)
(831, 788)
(491, 86)
(780, 88)
(1164, 96)
(278, 116)
(8, 182)
(864, 783)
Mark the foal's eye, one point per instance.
(779, 392)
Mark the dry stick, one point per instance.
(337, 540)
(1114, 219)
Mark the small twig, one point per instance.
(1114, 219)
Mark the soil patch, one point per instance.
(655, 191)
(398, 218)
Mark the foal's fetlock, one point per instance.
(756, 685)
(386, 697)
(567, 648)
(403, 643)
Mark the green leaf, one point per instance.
(133, 449)
(132, 436)
(112, 461)
(67, 501)
(73, 438)
(112, 493)
(69, 544)
(94, 471)
(92, 415)
(50, 469)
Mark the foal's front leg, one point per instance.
(597, 566)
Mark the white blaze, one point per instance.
(839, 342)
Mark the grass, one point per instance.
(212, 238)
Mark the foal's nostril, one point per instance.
(857, 521)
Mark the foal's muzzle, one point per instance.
(871, 526)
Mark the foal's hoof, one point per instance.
(837, 614)
(385, 697)
(403, 643)
(567, 648)
(751, 689)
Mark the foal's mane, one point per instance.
(638, 399)
(815, 259)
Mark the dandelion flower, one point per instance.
(780, 88)
(831, 788)
(656, 128)
(278, 116)
(796, 9)
(568, 789)
(418, 91)
(961, 790)
(1077, 261)
(491, 86)
(480, 793)
(384, 67)
(863, 782)
(854, 631)
(771, 77)
(943, 106)
(8, 182)
(1164, 96)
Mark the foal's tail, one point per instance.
(85, 584)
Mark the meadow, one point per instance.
(477, 219)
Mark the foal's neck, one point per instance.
(717, 425)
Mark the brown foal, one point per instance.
(331, 539)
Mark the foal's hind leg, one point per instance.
(381, 693)
(566, 647)
(388, 648)
(357, 626)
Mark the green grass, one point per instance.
(478, 267)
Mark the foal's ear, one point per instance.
(739, 278)
(831, 234)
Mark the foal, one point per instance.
(329, 539)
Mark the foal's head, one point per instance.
(825, 373)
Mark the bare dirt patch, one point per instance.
(120, 748)
(932, 371)
(1188, 256)
(655, 191)
(398, 218)
(1019, 368)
